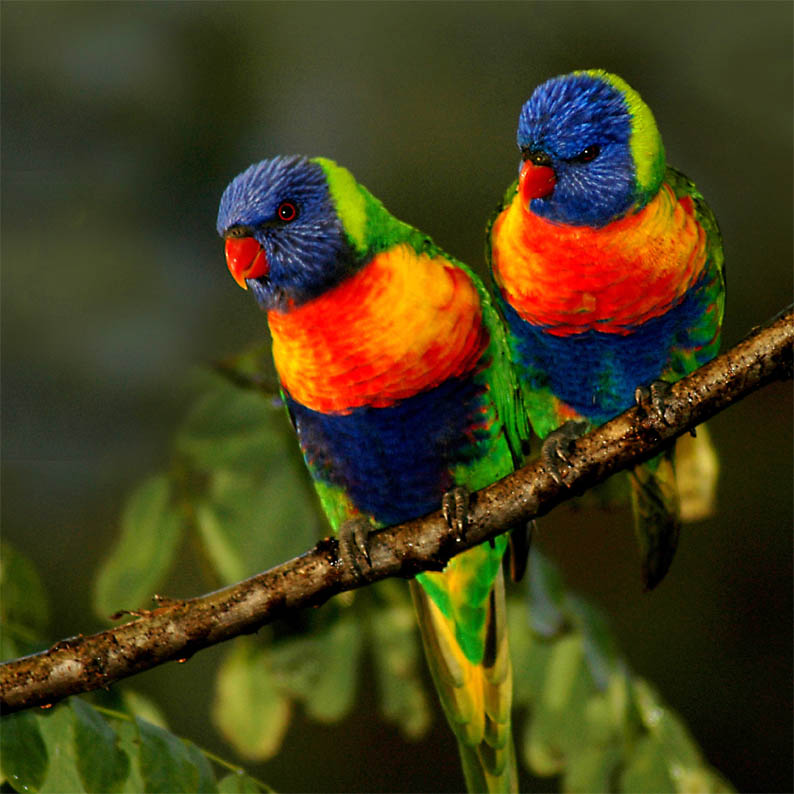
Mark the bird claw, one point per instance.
(353, 538)
(558, 445)
(653, 399)
(455, 508)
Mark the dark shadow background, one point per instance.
(122, 123)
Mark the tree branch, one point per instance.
(177, 629)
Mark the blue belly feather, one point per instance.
(396, 462)
(597, 373)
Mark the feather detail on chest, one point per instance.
(573, 279)
(403, 324)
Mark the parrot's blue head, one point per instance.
(590, 150)
(284, 238)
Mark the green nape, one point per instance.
(348, 200)
(370, 227)
(646, 144)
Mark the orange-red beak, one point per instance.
(245, 258)
(535, 181)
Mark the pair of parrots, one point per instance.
(408, 385)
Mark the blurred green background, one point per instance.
(121, 125)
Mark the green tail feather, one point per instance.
(657, 522)
(476, 697)
(478, 779)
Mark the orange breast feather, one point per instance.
(403, 324)
(573, 279)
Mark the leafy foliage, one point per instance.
(102, 764)
(23, 754)
(150, 531)
(76, 747)
(24, 612)
(249, 709)
(238, 488)
(590, 719)
(79, 747)
(314, 661)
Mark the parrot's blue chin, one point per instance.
(268, 296)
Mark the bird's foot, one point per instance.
(558, 445)
(455, 508)
(353, 538)
(654, 398)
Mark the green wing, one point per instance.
(700, 343)
(657, 486)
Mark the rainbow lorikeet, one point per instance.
(609, 270)
(394, 369)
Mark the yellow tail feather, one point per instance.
(476, 697)
(696, 473)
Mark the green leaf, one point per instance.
(665, 725)
(23, 754)
(530, 654)
(238, 783)
(254, 520)
(130, 743)
(397, 660)
(546, 596)
(75, 748)
(150, 531)
(206, 778)
(592, 770)
(169, 764)
(220, 544)
(248, 708)
(142, 706)
(57, 730)
(335, 686)
(24, 612)
(102, 765)
(622, 705)
(228, 427)
(670, 740)
(256, 507)
(647, 769)
(121, 700)
(599, 645)
(319, 667)
(591, 720)
(558, 728)
(563, 673)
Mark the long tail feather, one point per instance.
(476, 697)
(657, 523)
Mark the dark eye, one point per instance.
(287, 211)
(588, 154)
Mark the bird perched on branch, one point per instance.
(609, 271)
(394, 369)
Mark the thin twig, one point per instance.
(177, 629)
